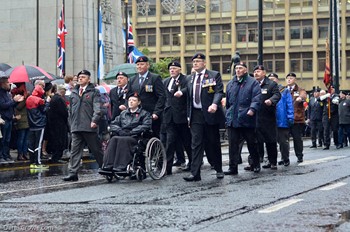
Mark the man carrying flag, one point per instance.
(61, 33)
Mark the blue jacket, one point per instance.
(7, 105)
(240, 97)
(285, 109)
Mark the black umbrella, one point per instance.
(4, 67)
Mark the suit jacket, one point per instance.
(176, 107)
(119, 99)
(315, 110)
(267, 114)
(152, 93)
(209, 95)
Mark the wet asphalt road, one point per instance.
(312, 196)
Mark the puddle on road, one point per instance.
(9, 174)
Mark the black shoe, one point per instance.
(257, 169)
(339, 146)
(326, 148)
(266, 166)
(286, 163)
(192, 178)
(313, 146)
(281, 162)
(248, 168)
(220, 175)
(231, 172)
(273, 167)
(71, 177)
(320, 145)
(187, 169)
(104, 172)
(300, 159)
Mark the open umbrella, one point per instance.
(129, 69)
(27, 73)
(4, 67)
(106, 87)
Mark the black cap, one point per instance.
(141, 59)
(291, 74)
(135, 95)
(122, 74)
(174, 63)
(199, 56)
(316, 89)
(273, 75)
(85, 72)
(241, 64)
(259, 67)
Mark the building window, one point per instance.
(321, 61)
(347, 60)
(220, 33)
(220, 63)
(273, 4)
(301, 29)
(323, 2)
(301, 62)
(247, 5)
(146, 37)
(170, 36)
(273, 31)
(300, 3)
(348, 27)
(195, 35)
(247, 32)
(220, 6)
(323, 25)
(189, 65)
(274, 63)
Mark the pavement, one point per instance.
(87, 156)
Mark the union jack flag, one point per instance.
(133, 52)
(61, 33)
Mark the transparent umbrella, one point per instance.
(129, 69)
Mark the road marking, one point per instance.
(332, 186)
(280, 206)
(322, 160)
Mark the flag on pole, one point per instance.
(132, 50)
(327, 78)
(101, 47)
(61, 33)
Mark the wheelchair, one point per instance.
(149, 157)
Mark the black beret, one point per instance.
(141, 59)
(86, 72)
(259, 67)
(122, 74)
(135, 95)
(291, 74)
(199, 56)
(241, 64)
(273, 75)
(174, 63)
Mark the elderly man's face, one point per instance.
(142, 67)
(290, 80)
(240, 70)
(83, 80)
(259, 74)
(122, 81)
(5, 84)
(174, 71)
(198, 65)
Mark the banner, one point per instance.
(61, 33)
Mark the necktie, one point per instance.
(172, 85)
(142, 78)
(81, 91)
(197, 89)
(119, 90)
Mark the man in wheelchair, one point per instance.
(126, 129)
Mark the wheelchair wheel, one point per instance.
(155, 159)
(139, 174)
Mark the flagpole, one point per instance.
(98, 39)
(37, 32)
(64, 60)
(126, 30)
(336, 46)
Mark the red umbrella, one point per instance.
(28, 73)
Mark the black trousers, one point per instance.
(330, 125)
(316, 132)
(269, 137)
(178, 139)
(204, 137)
(297, 133)
(235, 136)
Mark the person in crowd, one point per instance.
(266, 124)
(204, 112)
(84, 115)
(48, 93)
(125, 129)
(243, 97)
(105, 112)
(330, 117)
(344, 119)
(175, 117)
(22, 125)
(314, 116)
(57, 117)
(285, 119)
(120, 94)
(296, 130)
(7, 105)
(37, 107)
(68, 84)
(151, 90)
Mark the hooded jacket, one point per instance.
(36, 109)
